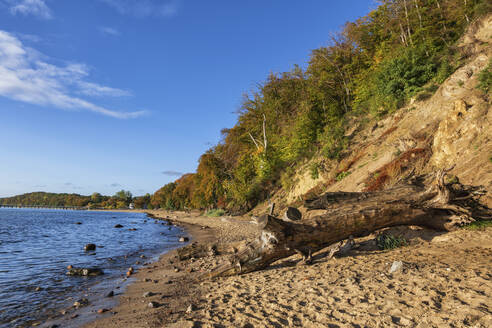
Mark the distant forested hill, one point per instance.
(47, 199)
(120, 200)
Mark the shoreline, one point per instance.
(146, 277)
(67, 316)
(173, 290)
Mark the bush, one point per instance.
(314, 170)
(444, 71)
(215, 213)
(485, 78)
(399, 78)
(333, 140)
(423, 96)
(287, 177)
(384, 241)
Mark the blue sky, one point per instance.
(104, 95)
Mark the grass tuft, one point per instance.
(215, 213)
(342, 175)
(385, 242)
(479, 225)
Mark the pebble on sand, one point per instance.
(190, 308)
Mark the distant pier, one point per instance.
(77, 208)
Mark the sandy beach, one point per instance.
(444, 281)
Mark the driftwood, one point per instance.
(424, 201)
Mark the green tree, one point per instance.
(124, 196)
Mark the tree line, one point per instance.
(121, 200)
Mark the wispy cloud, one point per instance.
(109, 31)
(72, 186)
(172, 173)
(144, 8)
(30, 7)
(29, 37)
(96, 90)
(115, 185)
(26, 76)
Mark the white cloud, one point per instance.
(26, 76)
(30, 7)
(109, 31)
(144, 8)
(96, 90)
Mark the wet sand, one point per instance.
(445, 281)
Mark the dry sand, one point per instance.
(445, 281)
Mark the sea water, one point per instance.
(37, 245)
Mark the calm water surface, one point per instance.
(37, 245)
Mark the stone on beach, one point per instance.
(153, 305)
(397, 265)
(184, 239)
(110, 294)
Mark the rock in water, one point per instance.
(184, 239)
(81, 302)
(118, 226)
(85, 272)
(90, 247)
(110, 294)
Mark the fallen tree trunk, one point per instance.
(424, 201)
